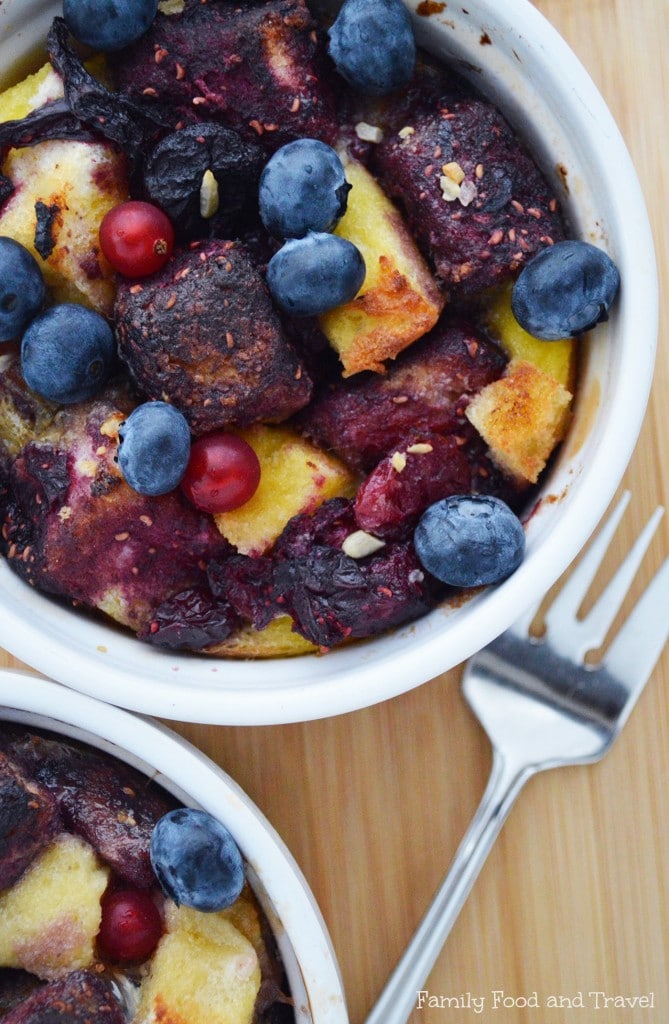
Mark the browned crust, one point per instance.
(203, 334)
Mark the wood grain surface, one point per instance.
(575, 895)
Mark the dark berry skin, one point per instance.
(191, 621)
(389, 502)
(372, 45)
(67, 354)
(154, 448)
(564, 290)
(303, 188)
(22, 288)
(173, 175)
(469, 540)
(108, 24)
(196, 860)
(311, 275)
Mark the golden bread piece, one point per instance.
(204, 971)
(399, 300)
(35, 90)
(276, 640)
(49, 919)
(521, 417)
(557, 358)
(77, 183)
(295, 477)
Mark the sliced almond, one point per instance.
(209, 201)
(360, 544)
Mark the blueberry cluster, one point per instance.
(303, 195)
(67, 351)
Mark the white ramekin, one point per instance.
(196, 781)
(515, 56)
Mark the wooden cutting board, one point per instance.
(575, 896)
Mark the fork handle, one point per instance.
(400, 995)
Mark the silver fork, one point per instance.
(542, 707)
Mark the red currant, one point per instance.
(223, 473)
(136, 238)
(131, 926)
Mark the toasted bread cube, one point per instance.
(204, 971)
(50, 917)
(78, 182)
(557, 358)
(276, 640)
(295, 477)
(399, 300)
(521, 417)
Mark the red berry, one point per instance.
(223, 473)
(131, 926)
(137, 238)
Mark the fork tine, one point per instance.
(632, 655)
(565, 606)
(598, 622)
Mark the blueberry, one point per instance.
(154, 448)
(108, 24)
(196, 860)
(372, 45)
(303, 188)
(22, 288)
(469, 540)
(564, 290)
(67, 353)
(310, 275)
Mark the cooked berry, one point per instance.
(364, 417)
(190, 621)
(372, 45)
(247, 584)
(333, 598)
(328, 526)
(470, 540)
(564, 290)
(310, 275)
(223, 473)
(67, 353)
(196, 860)
(108, 24)
(154, 447)
(303, 188)
(130, 927)
(205, 177)
(22, 288)
(137, 238)
(420, 471)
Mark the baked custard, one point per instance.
(101, 881)
(330, 388)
